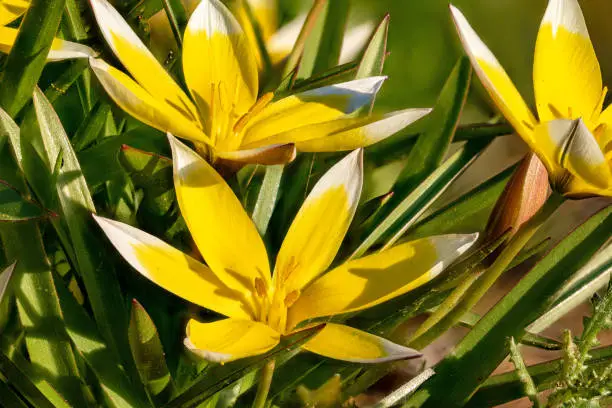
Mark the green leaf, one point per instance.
(28, 56)
(91, 127)
(593, 276)
(10, 131)
(467, 213)
(220, 377)
(481, 351)
(120, 390)
(5, 278)
(148, 353)
(405, 390)
(15, 207)
(77, 206)
(413, 204)
(266, 200)
(100, 163)
(431, 146)
(373, 59)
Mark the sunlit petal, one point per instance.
(354, 41)
(368, 281)
(173, 270)
(139, 61)
(566, 73)
(60, 49)
(345, 343)
(310, 107)
(272, 154)
(265, 13)
(222, 230)
(348, 133)
(229, 339)
(319, 227)
(136, 101)
(575, 149)
(10, 10)
(220, 68)
(494, 78)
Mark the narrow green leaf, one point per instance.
(39, 310)
(413, 204)
(430, 148)
(5, 278)
(483, 348)
(29, 53)
(119, 389)
(148, 353)
(89, 131)
(333, 75)
(593, 276)
(22, 383)
(15, 207)
(9, 396)
(100, 163)
(373, 59)
(77, 206)
(467, 213)
(219, 377)
(9, 131)
(266, 200)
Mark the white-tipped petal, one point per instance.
(173, 270)
(321, 224)
(345, 343)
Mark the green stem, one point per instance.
(425, 334)
(599, 321)
(480, 287)
(267, 372)
(524, 377)
(177, 17)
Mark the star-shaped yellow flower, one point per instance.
(11, 10)
(223, 112)
(261, 307)
(573, 136)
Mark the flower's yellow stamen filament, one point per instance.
(599, 106)
(556, 112)
(255, 109)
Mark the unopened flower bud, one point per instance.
(525, 193)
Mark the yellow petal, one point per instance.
(229, 339)
(368, 281)
(220, 68)
(566, 73)
(222, 230)
(348, 133)
(310, 107)
(574, 148)
(319, 227)
(139, 61)
(265, 13)
(136, 101)
(10, 10)
(273, 154)
(60, 49)
(348, 344)
(173, 270)
(495, 80)
(578, 189)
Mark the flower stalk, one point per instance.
(265, 381)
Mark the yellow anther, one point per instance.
(291, 298)
(260, 288)
(556, 112)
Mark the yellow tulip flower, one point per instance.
(279, 39)
(573, 136)
(223, 113)
(260, 307)
(11, 10)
